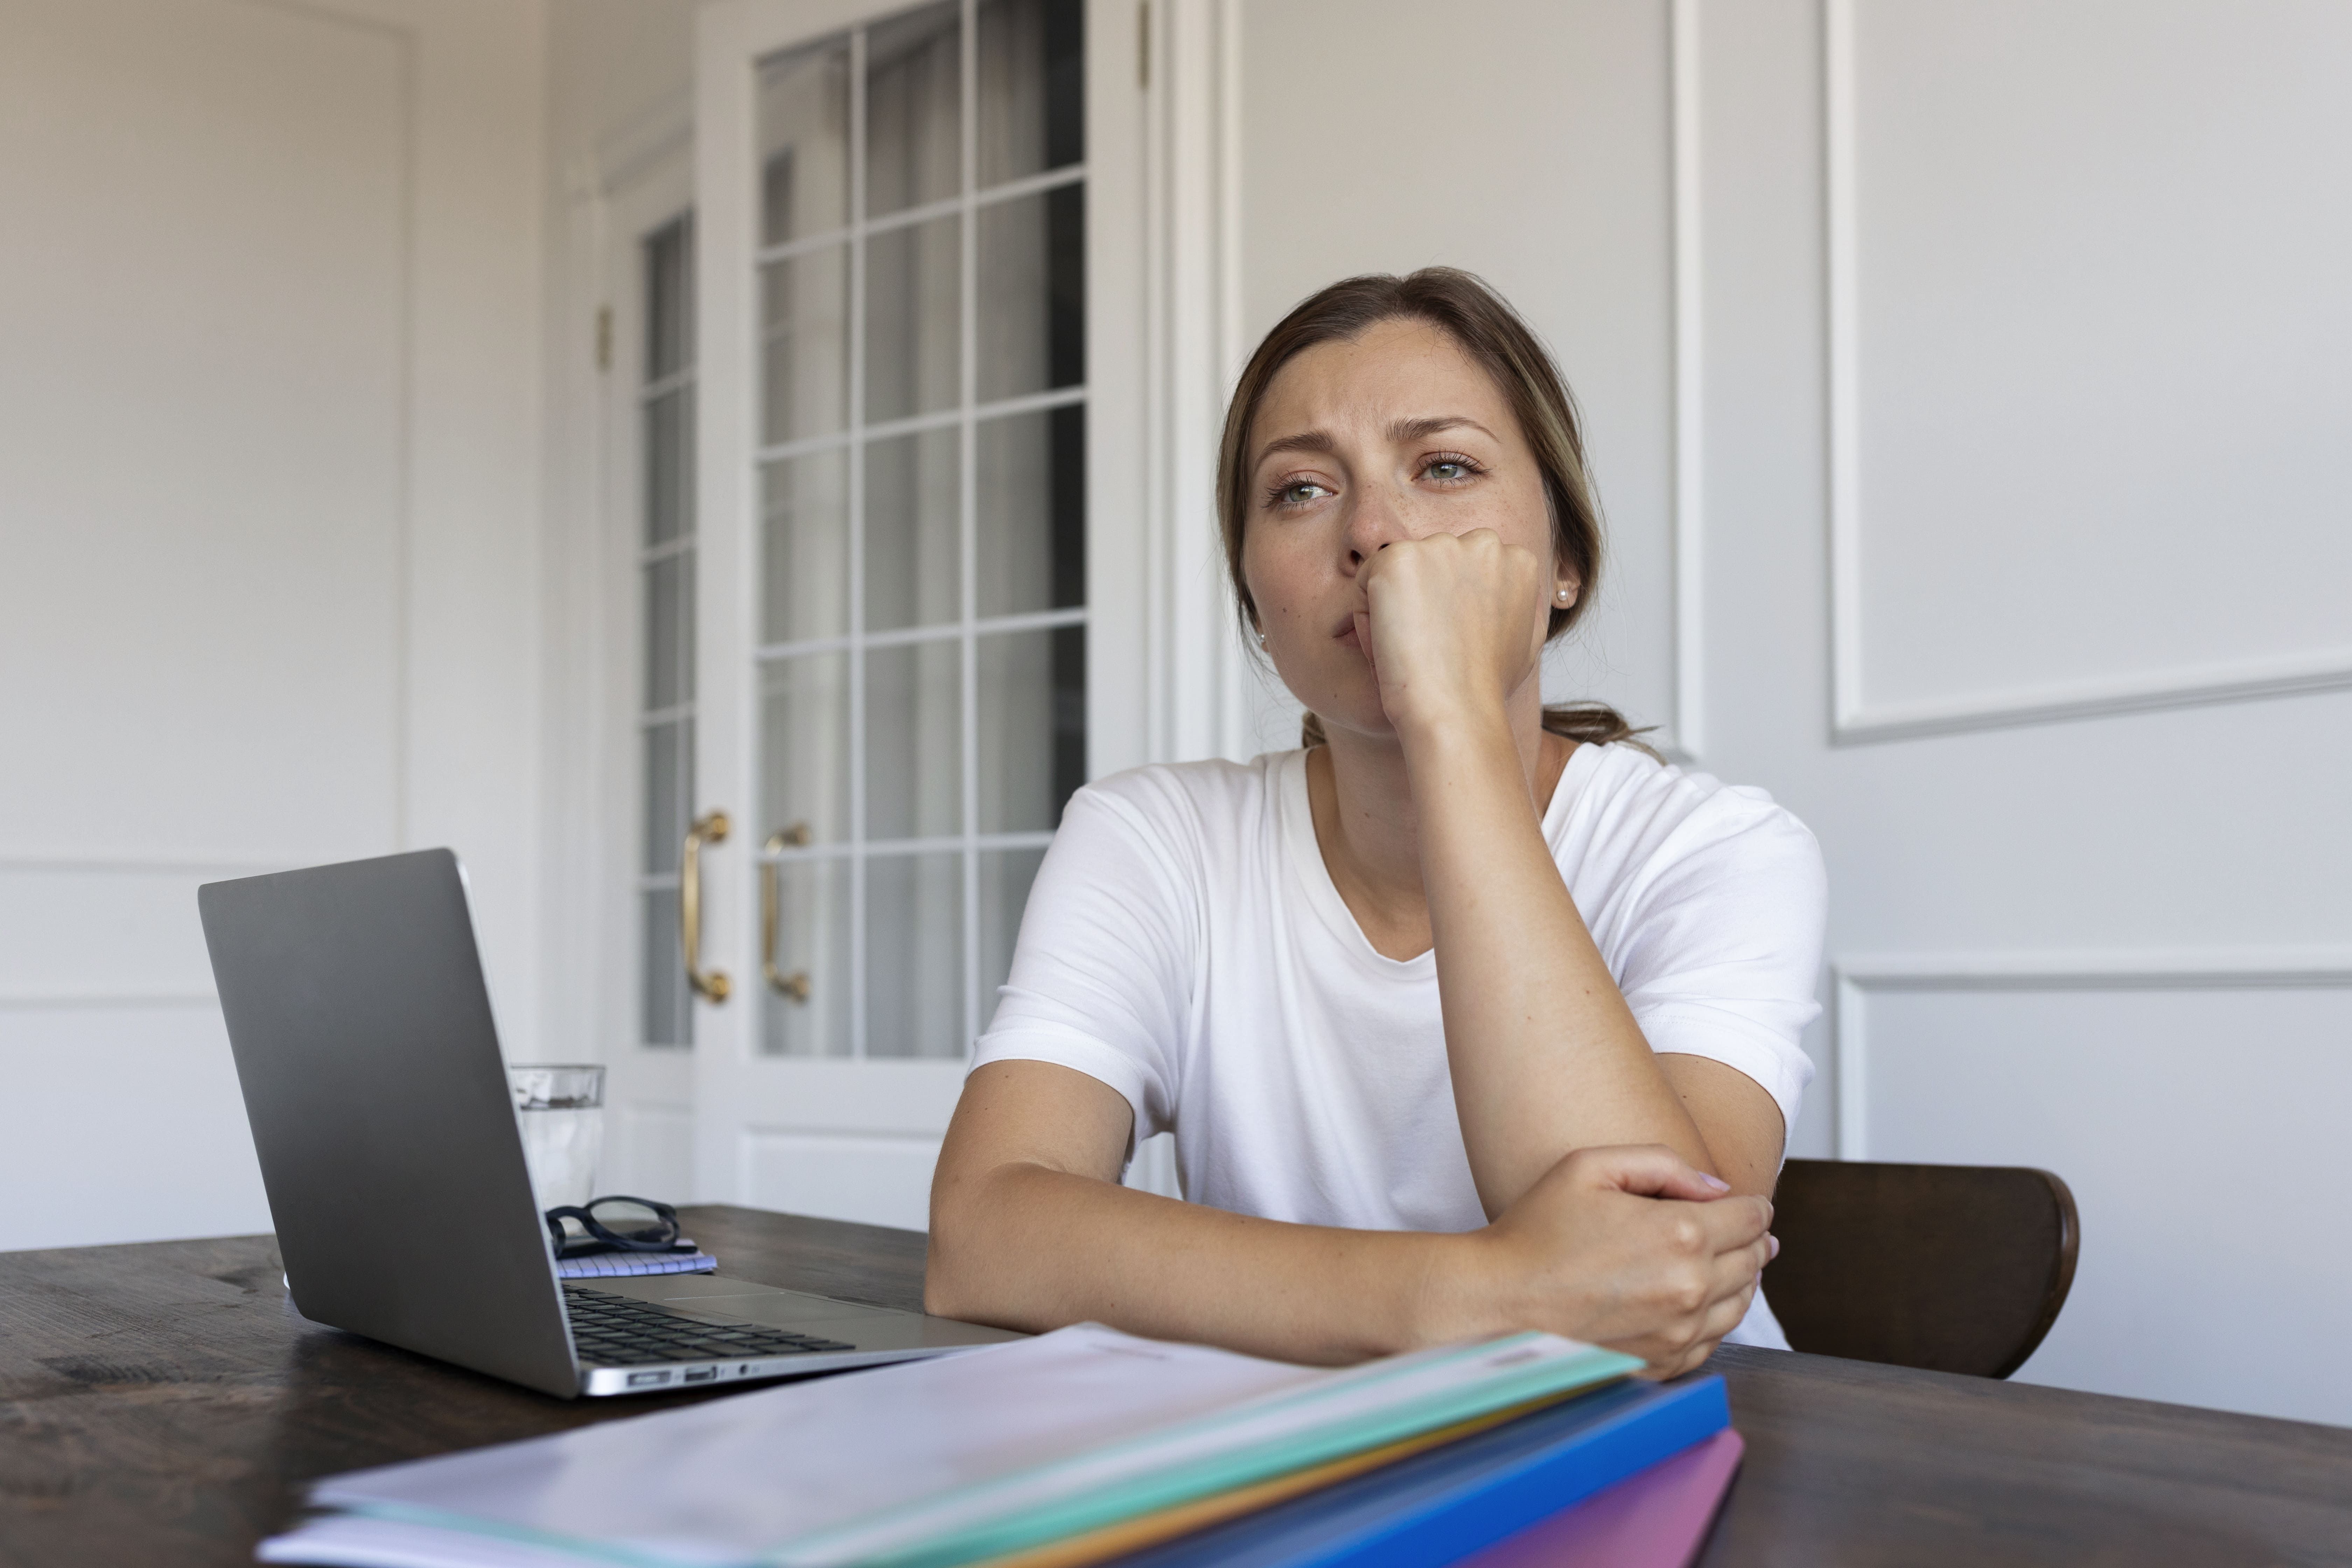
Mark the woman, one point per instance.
(1467, 1017)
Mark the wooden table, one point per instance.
(163, 1404)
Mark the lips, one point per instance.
(1346, 633)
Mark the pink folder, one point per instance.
(1656, 1518)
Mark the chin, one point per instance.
(1359, 713)
(1339, 690)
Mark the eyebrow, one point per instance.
(1402, 432)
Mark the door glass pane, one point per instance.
(914, 955)
(670, 630)
(914, 109)
(811, 1018)
(914, 753)
(670, 300)
(666, 1022)
(914, 556)
(805, 142)
(912, 310)
(804, 547)
(1031, 727)
(669, 465)
(1031, 549)
(805, 753)
(670, 786)
(804, 345)
(1033, 106)
(1004, 876)
(1032, 297)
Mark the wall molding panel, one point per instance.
(1854, 718)
(144, 863)
(1686, 736)
(1854, 980)
(16, 1001)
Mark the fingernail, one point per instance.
(1776, 1247)
(1717, 1183)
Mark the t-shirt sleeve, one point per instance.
(1102, 971)
(1724, 950)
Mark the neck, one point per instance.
(1368, 823)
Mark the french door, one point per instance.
(894, 644)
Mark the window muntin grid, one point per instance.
(922, 665)
(665, 573)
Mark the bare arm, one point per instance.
(1030, 1230)
(1546, 1056)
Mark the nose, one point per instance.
(1374, 519)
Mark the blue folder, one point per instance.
(1436, 1507)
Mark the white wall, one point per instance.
(1385, 165)
(268, 496)
(2072, 725)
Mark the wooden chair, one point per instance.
(1951, 1268)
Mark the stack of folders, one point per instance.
(1079, 1448)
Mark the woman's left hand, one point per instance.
(1454, 624)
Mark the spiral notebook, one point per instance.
(631, 1264)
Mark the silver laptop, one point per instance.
(388, 1142)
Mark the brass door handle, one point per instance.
(795, 985)
(711, 985)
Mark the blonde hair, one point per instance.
(1483, 323)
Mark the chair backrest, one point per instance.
(1951, 1268)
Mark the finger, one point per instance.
(1689, 1354)
(1723, 1316)
(1734, 1275)
(1731, 1224)
(1648, 1170)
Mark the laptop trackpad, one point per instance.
(691, 1291)
(873, 1330)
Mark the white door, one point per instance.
(901, 555)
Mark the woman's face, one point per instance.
(1396, 434)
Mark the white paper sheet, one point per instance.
(355, 1540)
(721, 1482)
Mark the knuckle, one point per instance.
(1685, 1235)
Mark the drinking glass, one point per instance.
(560, 1108)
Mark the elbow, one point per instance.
(948, 1288)
(945, 1292)
(955, 1282)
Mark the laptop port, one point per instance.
(647, 1379)
(701, 1373)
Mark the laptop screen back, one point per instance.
(377, 1095)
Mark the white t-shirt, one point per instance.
(1184, 944)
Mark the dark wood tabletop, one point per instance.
(163, 1404)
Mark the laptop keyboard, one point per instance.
(620, 1330)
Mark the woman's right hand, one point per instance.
(1628, 1247)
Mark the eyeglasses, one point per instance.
(614, 1224)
